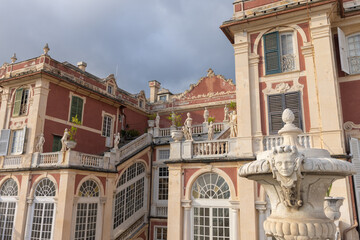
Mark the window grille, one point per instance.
(163, 183)
(164, 154)
(8, 192)
(211, 186)
(107, 122)
(160, 233)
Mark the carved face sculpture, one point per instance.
(285, 164)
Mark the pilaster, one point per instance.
(3, 107)
(175, 213)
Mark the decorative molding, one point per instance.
(283, 87)
(348, 126)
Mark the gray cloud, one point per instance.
(174, 42)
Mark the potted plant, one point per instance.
(175, 119)
(232, 105)
(332, 205)
(151, 120)
(211, 119)
(71, 143)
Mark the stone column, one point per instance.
(108, 207)
(175, 211)
(255, 95)
(248, 211)
(27, 228)
(243, 94)
(261, 207)
(186, 204)
(327, 85)
(22, 208)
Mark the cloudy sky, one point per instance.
(172, 41)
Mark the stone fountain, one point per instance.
(296, 180)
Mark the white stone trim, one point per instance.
(58, 120)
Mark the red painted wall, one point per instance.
(350, 100)
(136, 120)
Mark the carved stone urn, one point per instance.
(296, 180)
(70, 144)
(177, 135)
(332, 207)
(151, 123)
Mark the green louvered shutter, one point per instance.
(277, 104)
(275, 112)
(272, 53)
(56, 143)
(76, 108)
(17, 102)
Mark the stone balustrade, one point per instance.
(161, 211)
(12, 161)
(197, 129)
(164, 132)
(218, 127)
(215, 148)
(135, 145)
(269, 142)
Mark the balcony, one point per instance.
(57, 159)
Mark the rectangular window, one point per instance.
(56, 143)
(76, 108)
(277, 104)
(160, 233)
(7, 215)
(4, 141)
(17, 141)
(162, 98)
(163, 183)
(279, 52)
(354, 53)
(21, 102)
(43, 216)
(164, 154)
(110, 89)
(85, 227)
(107, 122)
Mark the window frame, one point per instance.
(300, 110)
(42, 200)
(156, 227)
(351, 72)
(279, 50)
(88, 200)
(81, 118)
(10, 199)
(107, 128)
(124, 188)
(20, 148)
(23, 103)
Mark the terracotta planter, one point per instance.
(177, 135)
(332, 207)
(70, 144)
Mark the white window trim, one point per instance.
(31, 214)
(127, 223)
(103, 114)
(112, 88)
(11, 140)
(158, 160)
(72, 94)
(347, 51)
(11, 199)
(295, 48)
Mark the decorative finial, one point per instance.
(210, 73)
(13, 58)
(46, 49)
(288, 116)
(290, 131)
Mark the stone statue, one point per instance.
(211, 131)
(40, 144)
(64, 139)
(226, 113)
(187, 128)
(206, 115)
(285, 165)
(157, 120)
(233, 124)
(116, 140)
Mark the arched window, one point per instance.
(87, 211)
(130, 194)
(210, 207)
(43, 210)
(8, 194)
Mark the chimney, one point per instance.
(154, 89)
(82, 66)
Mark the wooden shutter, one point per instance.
(17, 102)
(343, 50)
(355, 151)
(292, 101)
(275, 103)
(76, 108)
(4, 141)
(272, 53)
